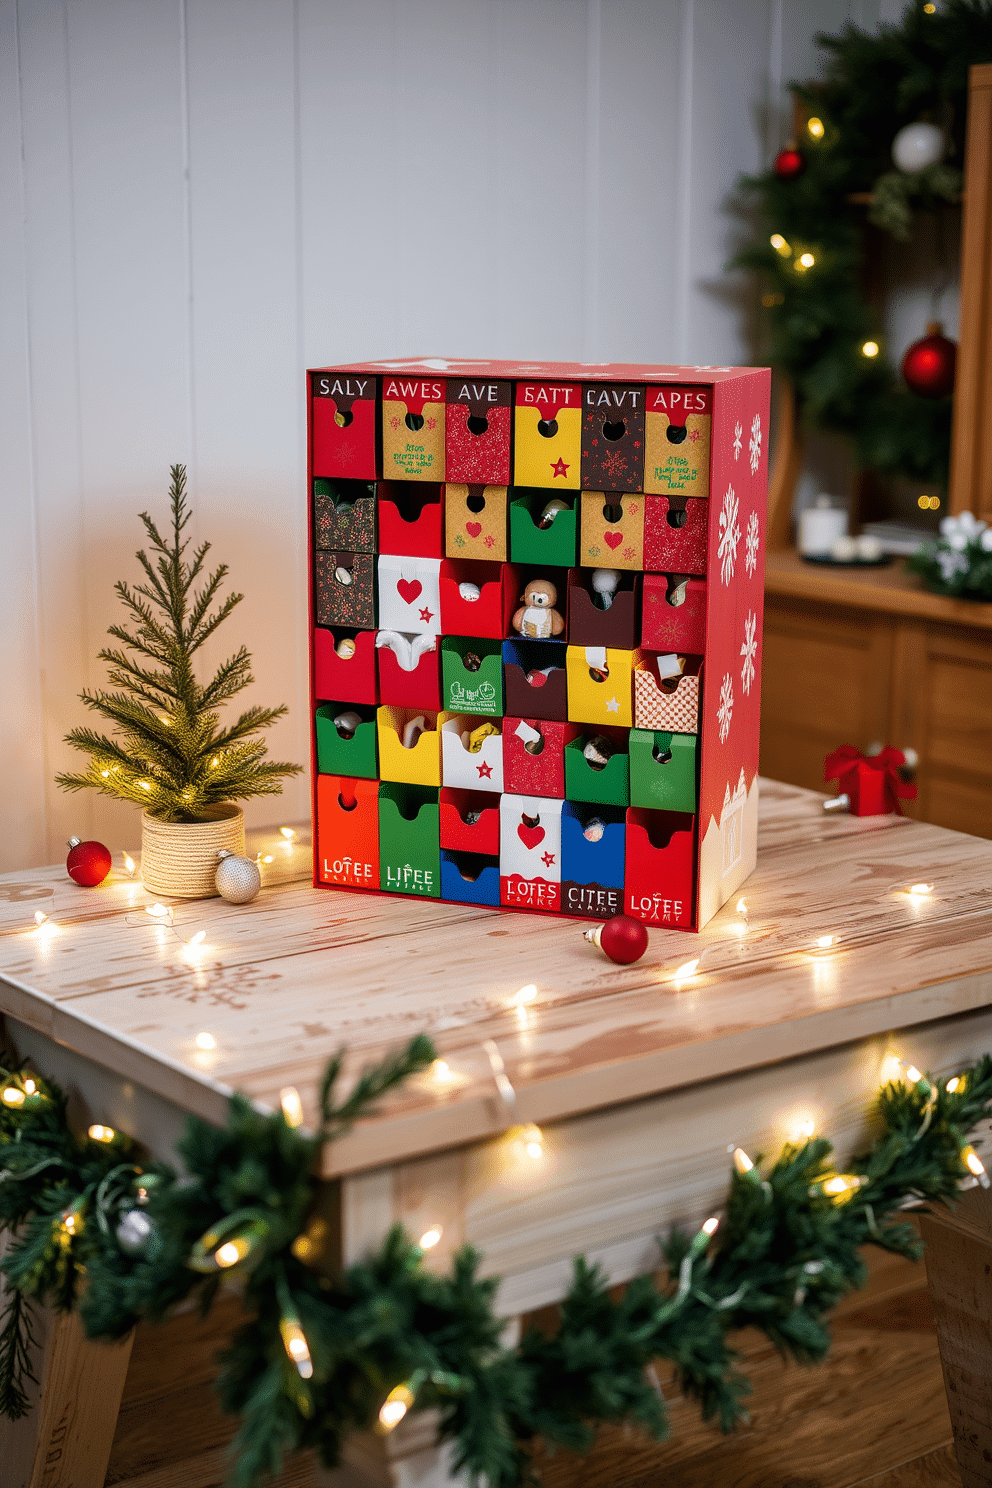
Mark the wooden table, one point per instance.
(640, 1077)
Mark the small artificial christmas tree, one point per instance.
(167, 752)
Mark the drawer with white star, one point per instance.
(536, 602)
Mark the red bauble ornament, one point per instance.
(88, 863)
(622, 939)
(789, 163)
(928, 366)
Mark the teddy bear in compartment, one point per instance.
(537, 619)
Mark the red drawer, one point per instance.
(660, 867)
(674, 615)
(344, 679)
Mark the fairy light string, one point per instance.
(336, 1348)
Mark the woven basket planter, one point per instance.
(179, 859)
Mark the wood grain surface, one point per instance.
(281, 983)
(891, 590)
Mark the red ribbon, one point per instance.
(850, 766)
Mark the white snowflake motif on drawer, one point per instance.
(738, 439)
(730, 535)
(752, 539)
(755, 445)
(749, 650)
(725, 711)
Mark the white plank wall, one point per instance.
(200, 198)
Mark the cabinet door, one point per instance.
(826, 680)
(942, 708)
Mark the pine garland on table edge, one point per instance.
(327, 1351)
(818, 317)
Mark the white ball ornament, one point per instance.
(135, 1231)
(916, 146)
(237, 880)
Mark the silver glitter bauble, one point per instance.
(135, 1231)
(237, 880)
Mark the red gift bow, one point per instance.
(846, 763)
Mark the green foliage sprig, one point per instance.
(167, 751)
(786, 1250)
(818, 317)
(960, 563)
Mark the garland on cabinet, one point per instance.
(330, 1350)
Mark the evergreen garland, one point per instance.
(818, 318)
(327, 1351)
(167, 752)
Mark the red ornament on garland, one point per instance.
(789, 163)
(928, 366)
(622, 939)
(88, 863)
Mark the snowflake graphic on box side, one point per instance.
(615, 464)
(730, 535)
(755, 445)
(751, 541)
(749, 650)
(738, 439)
(725, 711)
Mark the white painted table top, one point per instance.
(280, 984)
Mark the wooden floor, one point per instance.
(873, 1416)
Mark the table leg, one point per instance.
(65, 1440)
(959, 1267)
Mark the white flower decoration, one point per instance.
(749, 650)
(958, 532)
(738, 439)
(755, 445)
(752, 540)
(730, 535)
(725, 711)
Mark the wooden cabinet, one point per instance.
(863, 657)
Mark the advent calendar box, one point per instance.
(537, 591)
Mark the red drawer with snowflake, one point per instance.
(644, 491)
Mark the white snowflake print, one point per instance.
(749, 650)
(738, 439)
(755, 445)
(751, 539)
(726, 709)
(730, 535)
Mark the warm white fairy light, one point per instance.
(99, 1133)
(805, 261)
(841, 1186)
(441, 1073)
(30, 1088)
(953, 1084)
(145, 785)
(685, 971)
(11, 1096)
(205, 1041)
(525, 995)
(231, 1252)
(802, 1129)
(533, 1141)
(158, 911)
(197, 939)
(869, 349)
(742, 1162)
(288, 833)
(824, 942)
(292, 1106)
(742, 906)
(294, 1341)
(395, 1407)
(129, 864)
(815, 127)
(40, 917)
(920, 890)
(430, 1237)
(780, 245)
(262, 859)
(975, 1165)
